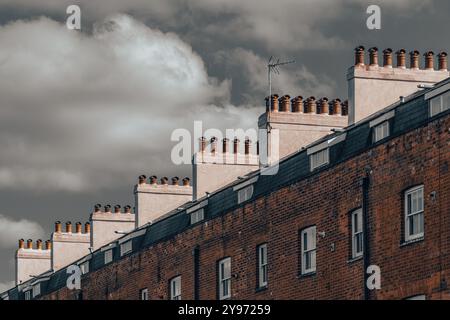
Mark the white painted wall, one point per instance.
(69, 247)
(31, 262)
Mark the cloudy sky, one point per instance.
(83, 113)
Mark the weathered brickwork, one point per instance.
(421, 156)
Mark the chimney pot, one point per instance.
(68, 227)
(127, 209)
(175, 181)
(97, 207)
(247, 146)
(21, 244)
(387, 58)
(213, 143)
(39, 244)
(153, 180)
(225, 145)
(108, 208)
(401, 58)
(274, 102)
(29, 244)
(311, 105)
(186, 182)
(442, 56)
(78, 227)
(202, 142)
(235, 145)
(142, 179)
(414, 64)
(373, 53)
(48, 245)
(297, 104)
(117, 208)
(429, 60)
(87, 227)
(359, 56)
(336, 109)
(344, 106)
(285, 103)
(58, 227)
(164, 180)
(324, 106)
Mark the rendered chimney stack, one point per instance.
(153, 180)
(108, 208)
(213, 143)
(442, 56)
(39, 244)
(127, 209)
(414, 57)
(202, 144)
(87, 227)
(324, 106)
(336, 109)
(274, 103)
(186, 182)
(373, 54)
(297, 104)
(225, 145)
(285, 103)
(29, 244)
(429, 60)
(401, 59)
(236, 146)
(98, 207)
(164, 181)
(387, 58)
(48, 245)
(68, 227)
(78, 227)
(58, 227)
(311, 105)
(21, 244)
(142, 179)
(359, 56)
(247, 146)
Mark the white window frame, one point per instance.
(417, 297)
(175, 288)
(441, 101)
(357, 233)
(225, 278)
(36, 290)
(108, 256)
(420, 212)
(126, 247)
(27, 295)
(381, 131)
(245, 194)
(144, 294)
(262, 266)
(319, 159)
(197, 216)
(308, 249)
(84, 267)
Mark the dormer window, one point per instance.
(126, 247)
(245, 194)
(84, 267)
(440, 104)
(197, 216)
(319, 159)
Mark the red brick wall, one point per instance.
(326, 199)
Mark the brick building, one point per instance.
(371, 193)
